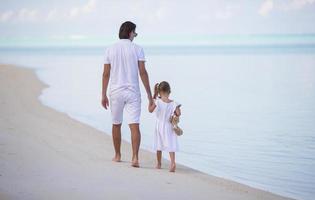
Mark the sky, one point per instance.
(77, 19)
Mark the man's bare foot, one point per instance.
(172, 167)
(117, 158)
(158, 166)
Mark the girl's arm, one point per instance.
(156, 91)
(153, 105)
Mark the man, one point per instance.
(123, 63)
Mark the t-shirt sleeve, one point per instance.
(106, 57)
(140, 55)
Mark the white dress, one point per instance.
(165, 139)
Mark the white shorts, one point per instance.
(128, 101)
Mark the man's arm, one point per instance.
(106, 76)
(145, 80)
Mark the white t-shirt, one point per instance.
(123, 58)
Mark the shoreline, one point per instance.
(47, 155)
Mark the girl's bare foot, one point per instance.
(135, 163)
(117, 158)
(172, 167)
(158, 166)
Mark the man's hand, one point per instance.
(151, 101)
(151, 105)
(105, 102)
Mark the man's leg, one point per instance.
(135, 142)
(116, 132)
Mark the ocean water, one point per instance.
(248, 112)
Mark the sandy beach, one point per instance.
(44, 154)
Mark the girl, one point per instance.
(165, 138)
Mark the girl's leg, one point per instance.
(159, 158)
(173, 165)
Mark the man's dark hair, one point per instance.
(125, 29)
